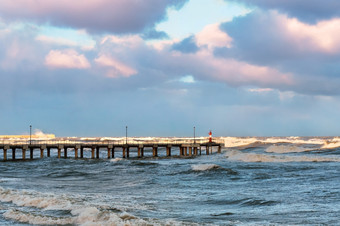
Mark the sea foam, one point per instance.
(82, 212)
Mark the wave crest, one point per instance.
(204, 167)
(255, 157)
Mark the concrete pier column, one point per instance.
(168, 151)
(92, 153)
(31, 153)
(108, 153)
(13, 153)
(181, 151)
(97, 153)
(81, 152)
(113, 152)
(41, 153)
(127, 152)
(23, 153)
(139, 152)
(48, 152)
(155, 151)
(190, 151)
(65, 152)
(75, 152)
(5, 154)
(195, 151)
(124, 152)
(207, 149)
(59, 152)
(200, 150)
(219, 149)
(185, 151)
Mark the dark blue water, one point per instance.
(253, 186)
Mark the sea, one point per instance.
(254, 181)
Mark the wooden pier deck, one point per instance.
(187, 148)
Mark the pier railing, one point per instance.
(117, 141)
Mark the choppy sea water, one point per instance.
(257, 182)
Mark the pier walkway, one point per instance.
(185, 148)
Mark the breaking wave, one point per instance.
(82, 213)
(281, 149)
(205, 167)
(235, 155)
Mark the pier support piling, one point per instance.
(181, 151)
(75, 153)
(155, 151)
(23, 153)
(124, 152)
(59, 152)
(48, 152)
(113, 152)
(65, 152)
(41, 153)
(97, 153)
(5, 154)
(13, 153)
(92, 152)
(185, 151)
(140, 151)
(108, 153)
(81, 152)
(195, 151)
(168, 151)
(31, 153)
(190, 151)
(219, 149)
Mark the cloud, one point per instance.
(261, 90)
(68, 58)
(268, 38)
(116, 16)
(310, 11)
(211, 36)
(187, 45)
(116, 67)
(150, 34)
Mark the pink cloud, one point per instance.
(322, 36)
(212, 36)
(68, 58)
(115, 67)
(239, 73)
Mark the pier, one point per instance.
(94, 149)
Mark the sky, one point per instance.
(162, 67)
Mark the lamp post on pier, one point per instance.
(194, 135)
(126, 129)
(30, 134)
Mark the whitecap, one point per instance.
(204, 167)
(281, 149)
(255, 157)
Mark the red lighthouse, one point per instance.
(210, 138)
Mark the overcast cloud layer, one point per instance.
(272, 71)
